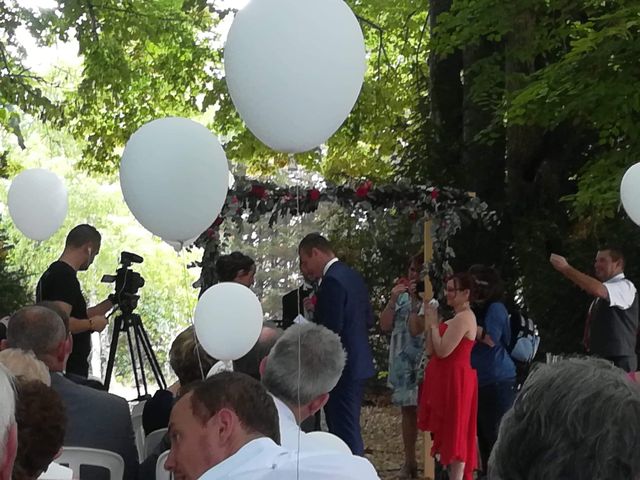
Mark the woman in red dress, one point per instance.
(449, 398)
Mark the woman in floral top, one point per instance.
(405, 354)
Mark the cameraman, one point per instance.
(60, 284)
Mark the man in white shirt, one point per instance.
(612, 322)
(226, 428)
(303, 367)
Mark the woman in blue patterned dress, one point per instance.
(405, 354)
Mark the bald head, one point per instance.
(250, 363)
(36, 328)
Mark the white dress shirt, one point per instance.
(622, 292)
(263, 459)
(290, 432)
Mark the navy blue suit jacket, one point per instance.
(343, 306)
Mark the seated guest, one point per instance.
(41, 424)
(576, 419)
(86, 381)
(236, 267)
(8, 428)
(25, 365)
(250, 363)
(227, 428)
(189, 361)
(95, 419)
(311, 355)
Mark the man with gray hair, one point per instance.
(576, 419)
(8, 428)
(96, 419)
(303, 367)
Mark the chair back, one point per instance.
(161, 473)
(74, 457)
(152, 441)
(138, 431)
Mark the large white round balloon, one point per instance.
(228, 320)
(38, 203)
(174, 177)
(323, 442)
(630, 193)
(294, 69)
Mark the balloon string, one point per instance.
(297, 180)
(189, 291)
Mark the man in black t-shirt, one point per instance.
(60, 284)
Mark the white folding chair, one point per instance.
(152, 441)
(74, 457)
(138, 431)
(161, 473)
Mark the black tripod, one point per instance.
(131, 323)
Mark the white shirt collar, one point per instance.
(329, 263)
(284, 412)
(247, 455)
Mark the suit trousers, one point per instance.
(343, 412)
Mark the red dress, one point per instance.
(448, 406)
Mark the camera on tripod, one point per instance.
(127, 282)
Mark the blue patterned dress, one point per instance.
(405, 355)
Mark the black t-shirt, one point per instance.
(60, 283)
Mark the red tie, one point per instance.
(586, 337)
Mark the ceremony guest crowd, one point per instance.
(450, 372)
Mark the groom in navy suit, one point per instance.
(342, 306)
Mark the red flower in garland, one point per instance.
(258, 191)
(413, 215)
(218, 222)
(314, 194)
(363, 190)
(435, 193)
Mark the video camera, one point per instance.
(127, 282)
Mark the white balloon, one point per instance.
(38, 203)
(228, 320)
(323, 442)
(219, 367)
(294, 69)
(174, 177)
(630, 193)
(178, 246)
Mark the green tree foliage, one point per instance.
(549, 114)
(147, 59)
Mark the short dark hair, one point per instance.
(228, 266)
(489, 285)
(577, 418)
(464, 281)
(314, 240)
(56, 308)
(188, 359)
(81, 235)
(244, 395)
(250, 362)
(614, 251)
(41, 420)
